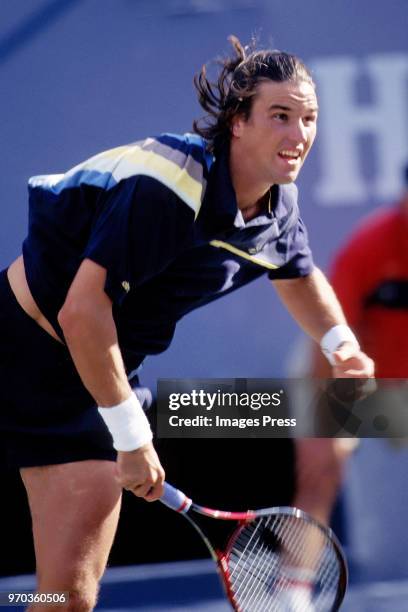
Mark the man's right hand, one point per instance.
(140, 471)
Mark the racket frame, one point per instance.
(188, 508)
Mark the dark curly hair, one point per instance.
(233, 91)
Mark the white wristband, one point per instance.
(127, 424)
(334, 338)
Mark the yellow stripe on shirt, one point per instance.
(256, 260)
(130, 160)
(149, 163)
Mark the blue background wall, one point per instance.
(79, 76)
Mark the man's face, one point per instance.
(280, 130)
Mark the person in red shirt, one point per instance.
(370, 277)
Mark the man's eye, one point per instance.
(281, 116)
(310, 119)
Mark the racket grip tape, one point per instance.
(175, 499)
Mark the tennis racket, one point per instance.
(276, 560)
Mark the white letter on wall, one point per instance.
(343, 120)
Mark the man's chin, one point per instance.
(285, 180)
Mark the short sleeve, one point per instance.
(295, 247)
(140, 227)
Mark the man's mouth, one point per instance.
(289, 155)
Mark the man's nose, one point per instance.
(299, 131)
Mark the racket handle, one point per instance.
(175, 499)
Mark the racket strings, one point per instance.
(255, 550)
(260, 595)
(289, 576)
(259, 561)
(276, 557)
(298, 588)
(303, 552)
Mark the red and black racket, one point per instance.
(276, 560)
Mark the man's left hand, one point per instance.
(352, 363)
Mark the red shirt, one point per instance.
(370, 277)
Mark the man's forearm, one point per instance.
(91, 336)
(312, 303)
(92, 341)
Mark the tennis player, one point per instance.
(118, 249)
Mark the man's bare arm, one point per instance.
(313, 304)
(90, 332)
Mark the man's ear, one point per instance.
(237, 125)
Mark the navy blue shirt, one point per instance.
(161, 216)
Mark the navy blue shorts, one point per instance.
(46, 414)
